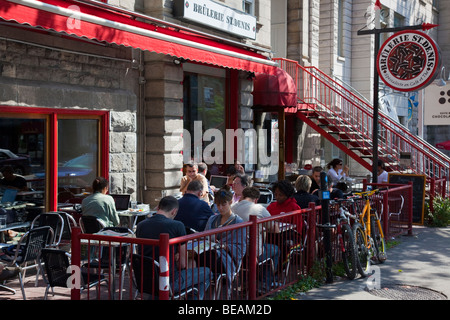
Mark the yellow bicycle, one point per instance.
(369, 236)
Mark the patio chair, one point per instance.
(28, 250)
(53, 220)
(56, 263)
(91, 224)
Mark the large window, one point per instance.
(59, 152)
(77, 155)
(204, 108)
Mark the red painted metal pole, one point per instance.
(75, 293)
(410, 215)
(164, 275)
(311, 242)
(253, 240)
(385, 213)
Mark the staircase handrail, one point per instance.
(417, 143)
(349, 88)
(382, 115)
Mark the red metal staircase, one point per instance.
(346, 120)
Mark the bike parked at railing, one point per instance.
(346, 240)
(368, 233)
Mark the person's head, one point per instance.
(251, 194)
(202, 168)
(381, 166)
(191, 170)
(336, 164)
(100, 184)
(303, 183)
(223, 199)
(283, 190)
(195, 187)
(231, 171)
(168, 206)
(316, 174)
(240, 182)
(7, 172)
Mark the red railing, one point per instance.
(246, 274)
(291, 251)
(351, 114)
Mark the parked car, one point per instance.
(21, 163)
(79, 171)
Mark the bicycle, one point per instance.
(346, 239)
(368, 234)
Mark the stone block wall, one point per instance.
(51, 72)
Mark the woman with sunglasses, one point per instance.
(336, 171)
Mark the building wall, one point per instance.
(163, 96)
(53, 72)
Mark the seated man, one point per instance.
(12, 180)
(248, 206)
(163, 222)
(335, 193)
(191, 175)
(193, 212)
(7, 273)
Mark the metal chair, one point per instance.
(56, 263)
(91, 224)
(53, 220)
(296, 250)
(146, 275)
(29, 249)
(69, 223)
(398, 212)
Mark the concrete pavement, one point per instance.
(416, 269)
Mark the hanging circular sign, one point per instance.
(408, 60)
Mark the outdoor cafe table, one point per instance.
(133, 215)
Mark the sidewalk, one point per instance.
(416, 269)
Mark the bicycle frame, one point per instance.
(365, 215)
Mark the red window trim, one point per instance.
(52, 182)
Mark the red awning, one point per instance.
(443, 145)
(275, 90)
(95, 23)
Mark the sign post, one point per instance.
(377, 31)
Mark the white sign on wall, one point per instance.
(217, 16)
(437, 105)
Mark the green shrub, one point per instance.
(440, 216)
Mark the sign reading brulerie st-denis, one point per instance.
(217, 16)
(408, 60)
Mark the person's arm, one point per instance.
(182, 257)
(345, 170)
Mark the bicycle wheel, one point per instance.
(362, 250)
(380, 244)
(349, 254)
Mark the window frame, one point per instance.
(51, 141)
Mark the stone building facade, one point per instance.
(141, 92)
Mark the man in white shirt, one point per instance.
(191, 175)
(382, 174)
